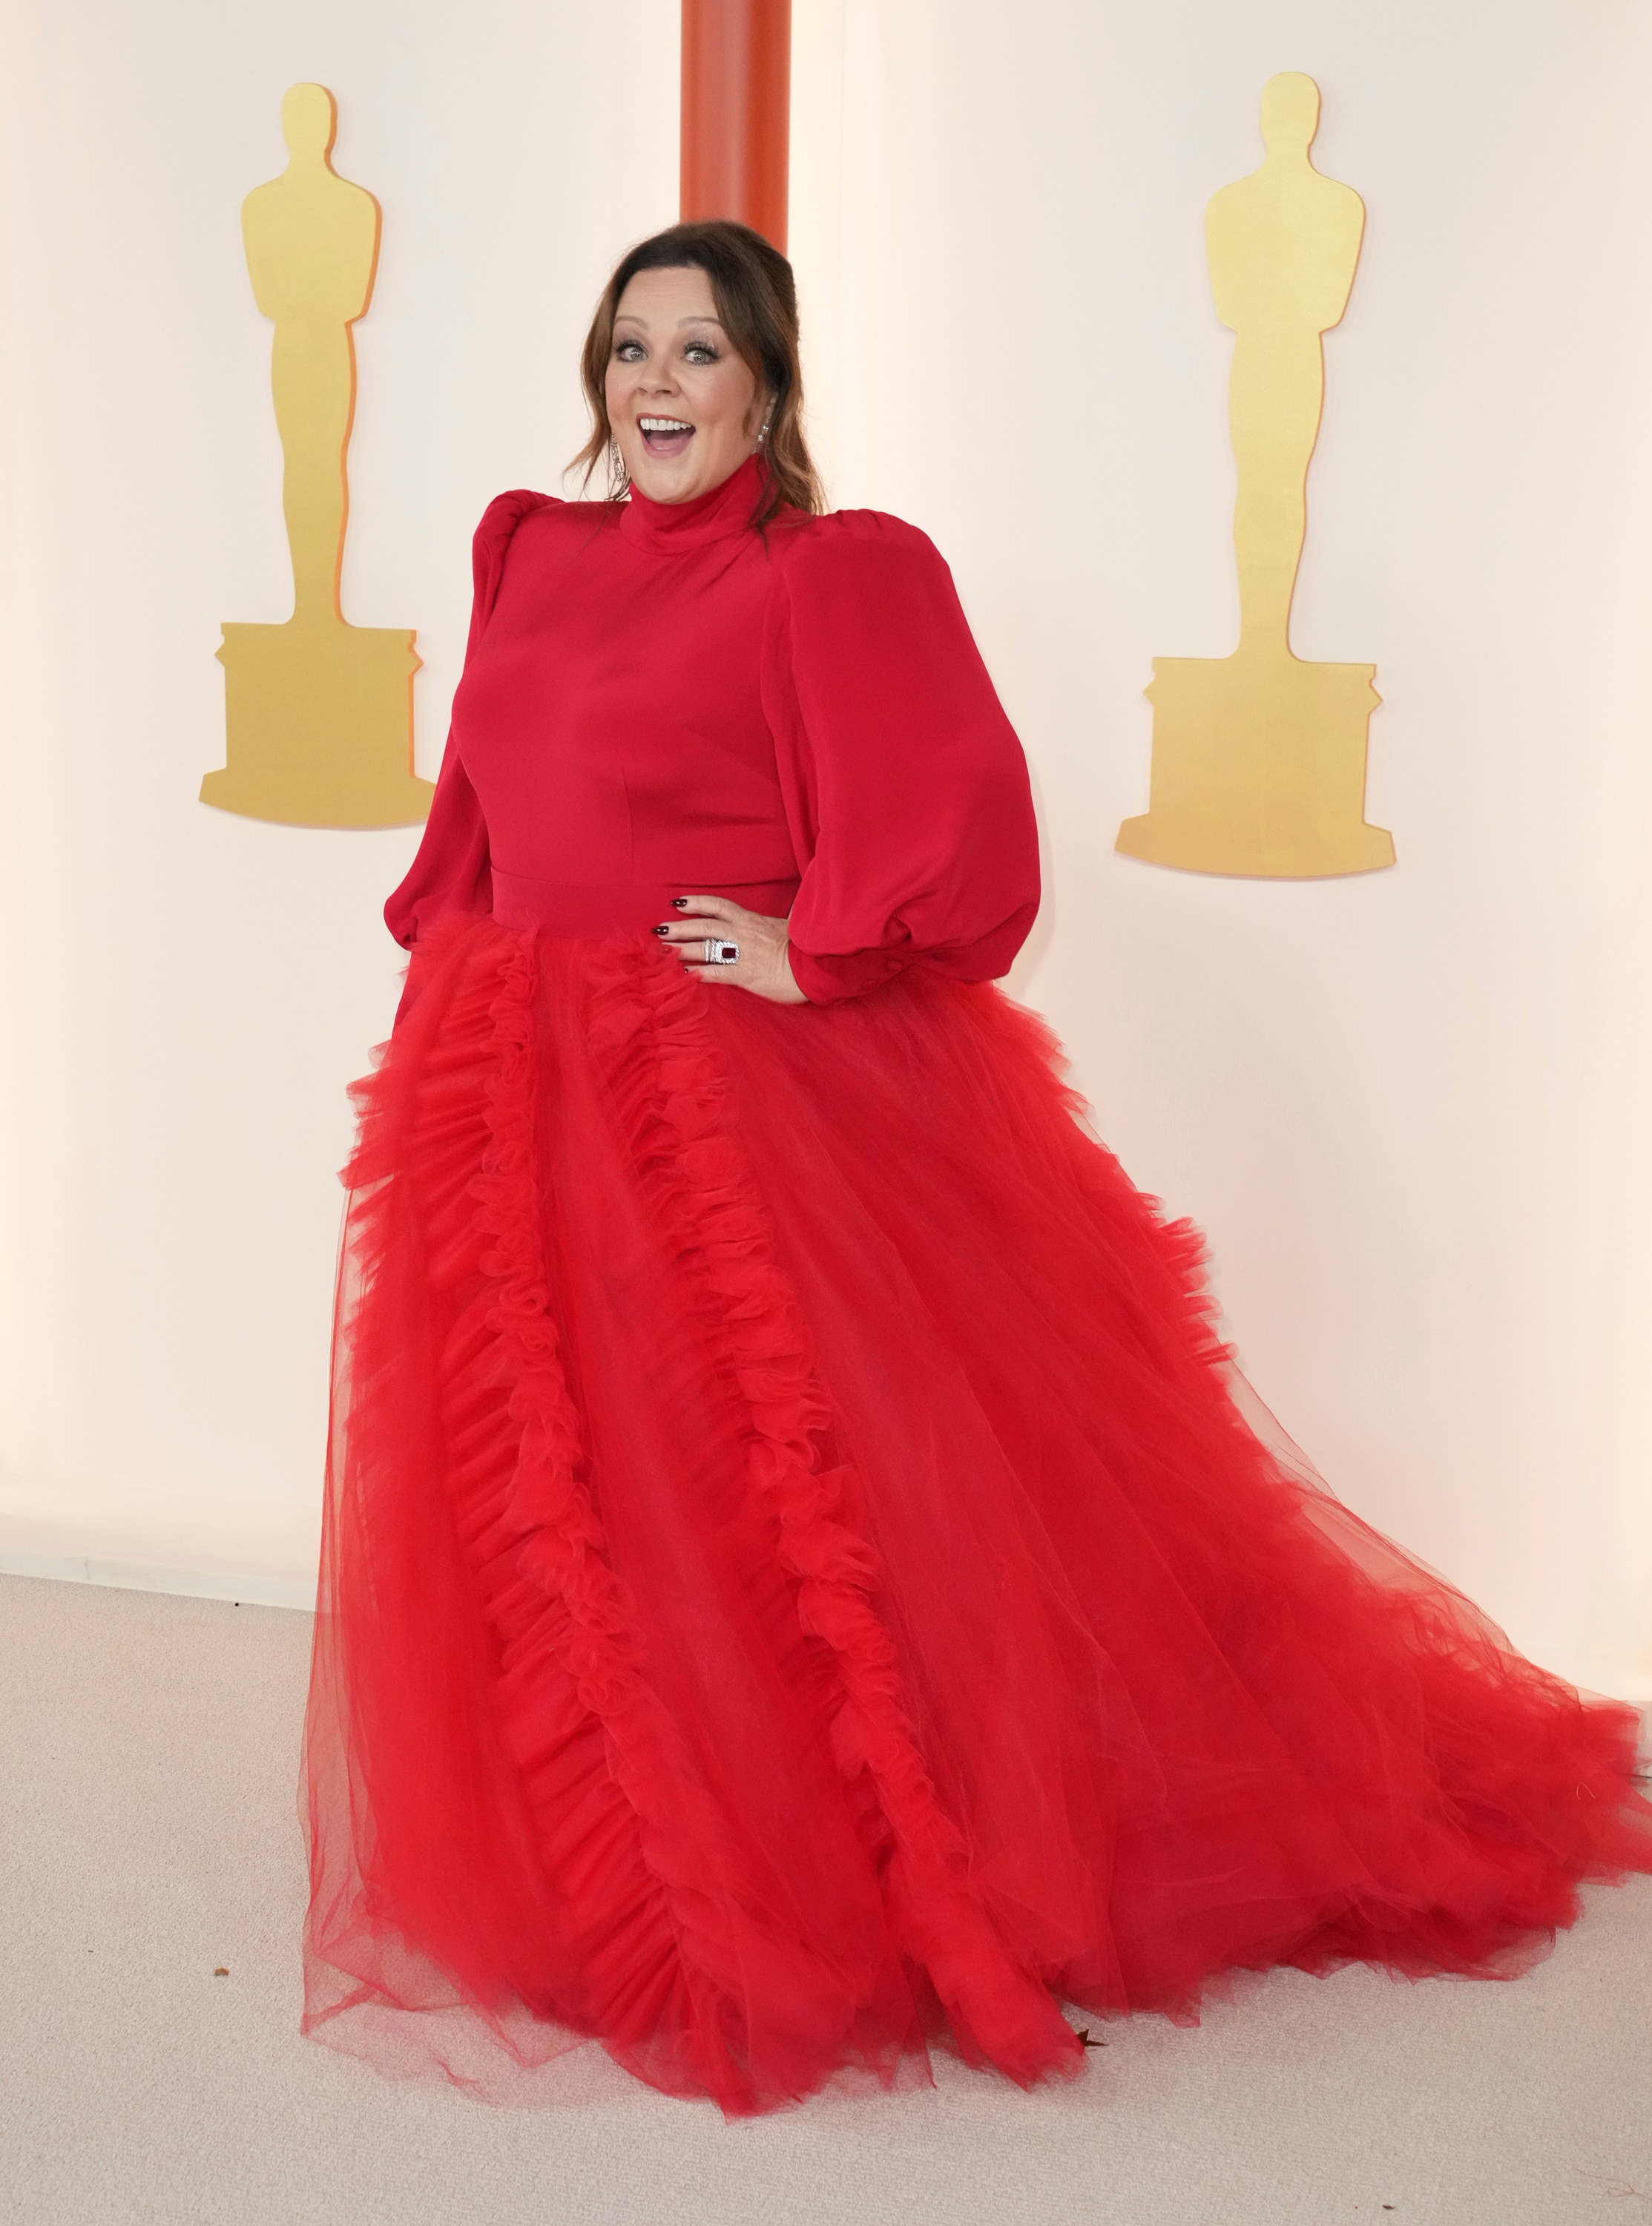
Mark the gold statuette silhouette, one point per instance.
(319, 713)
(1259, 759)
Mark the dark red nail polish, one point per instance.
(682, 903)
(664, 928)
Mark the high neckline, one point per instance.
(671, 527)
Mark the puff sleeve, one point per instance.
(906, 786)
(453, 869)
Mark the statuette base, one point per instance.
(1258, 768)
(320, 726)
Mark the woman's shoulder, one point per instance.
(520, 507)
(856, 559)
(840, 537)
(521, 519)
(862, 560)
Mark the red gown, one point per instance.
(797, 1585)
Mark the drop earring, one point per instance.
(619, 478)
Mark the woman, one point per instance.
(798, 1583)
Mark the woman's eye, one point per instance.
(700, 351)
(628, 352)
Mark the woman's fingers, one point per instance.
(708, 922)
(713, 908)
(703, 915)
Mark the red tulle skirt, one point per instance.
(797, 1586)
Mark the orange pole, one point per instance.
(736, 111)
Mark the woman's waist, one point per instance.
(577, 908)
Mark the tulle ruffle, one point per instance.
(797, 1584)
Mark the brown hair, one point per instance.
(757, 303)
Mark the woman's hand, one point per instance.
(762, 967)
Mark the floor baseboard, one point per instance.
(240, 1586)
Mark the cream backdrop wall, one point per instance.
(1412, 1110)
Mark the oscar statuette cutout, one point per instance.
(1259, 758)
(319, 713)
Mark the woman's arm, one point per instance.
(907, 789)
(452, 870)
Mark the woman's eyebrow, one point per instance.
(630, 317)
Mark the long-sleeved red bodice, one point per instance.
(658, 702)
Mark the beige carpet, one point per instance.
(148, 1745)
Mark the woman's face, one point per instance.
(685, 407)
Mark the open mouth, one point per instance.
(665, 437)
